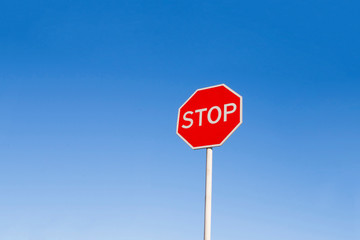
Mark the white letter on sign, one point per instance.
(218, 117)
(200, 114)
(188, 119)
(226, 112)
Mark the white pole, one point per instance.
(208, 189)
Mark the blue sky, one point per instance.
(89, 93)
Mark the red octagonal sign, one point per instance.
(209, 116)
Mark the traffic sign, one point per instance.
(209, 116)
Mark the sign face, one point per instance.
(209, 116)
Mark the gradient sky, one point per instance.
(89, 93)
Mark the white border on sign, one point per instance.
(214, 145)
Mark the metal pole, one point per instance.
(208, 189)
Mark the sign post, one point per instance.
(206, 120)
(208, 193)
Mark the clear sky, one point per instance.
(89, 93)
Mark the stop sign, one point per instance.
(209, 116)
